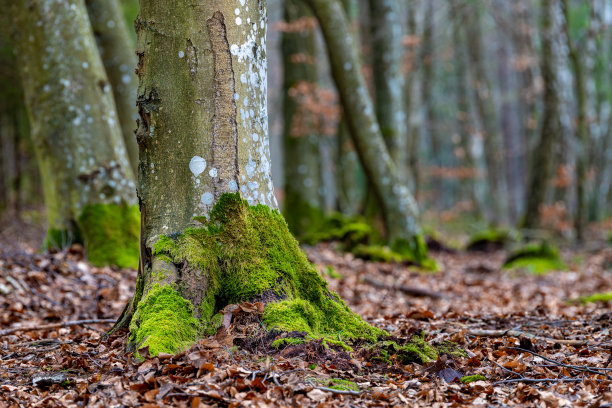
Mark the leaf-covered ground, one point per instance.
(530, 344)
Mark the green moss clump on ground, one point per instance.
(471, 378)
(595, 298)
(110, 233)
(286, 341)
(491, 238)
(165, 321)
(247, 253)
(334, 383)
(358, 237)
(538, 258)
(60, 239)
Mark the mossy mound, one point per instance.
(595, 298)
(109, 233)
(334, 383)
(491, 239)
(538, 258)
(357, 236)
(242, 253)
(471, 378)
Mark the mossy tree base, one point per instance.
(241, 253)
(109, 233)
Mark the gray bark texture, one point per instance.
(117, 50)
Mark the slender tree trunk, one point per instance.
(397, 204)
(118, 55)
(203, 139)
(542, 162)
(463, 108)
(427, 85)
(88, 183)
(510, 123)
(485, 108)
(386, 32)
(350, 185)
(412, 100)
(303, 204)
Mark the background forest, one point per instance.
(498, 113)
(444, 165)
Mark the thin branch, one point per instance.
(573, 367)
(343, 392)
(518, 333)
(515, 380)
(56, 325)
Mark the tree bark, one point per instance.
(386, 34)
(87, 180)
(396, 201)
(211, 235)
(542, 162)
(118, 55)
(302, 204)
(485, 108)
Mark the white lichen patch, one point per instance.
(197, 165)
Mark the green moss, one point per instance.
(492, 236)
(164, 321)
(416, 350)
(414, 251)
(471, 378)
(110, 233)
(538, 258)
(60, 239)
(448, 347)
(596, 297)
(247, 252)
(334, 383)
(332, 272)
(286, 341)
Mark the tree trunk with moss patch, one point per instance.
(117, 51)
(397, 203)
(211, 234)
(303, 202)
(87, 180)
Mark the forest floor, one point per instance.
(533, 346)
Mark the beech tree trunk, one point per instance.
(303, 204)
(542, 162)
(386, 34)
(117, 51)
(396, 201)
(87, 180)
(211, 235)
(485, 108)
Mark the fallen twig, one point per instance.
(518, 333)
(585, 369)
(56, 325)
(335, 391)
(515, 380)
(409, 290)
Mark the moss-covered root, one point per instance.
(110, 234)
(242, 253)
(164, 322)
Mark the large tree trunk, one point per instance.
(203, 140)
(542, 161)
(302, 204)
(117, 51)
(88, 183)
(396, 202)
